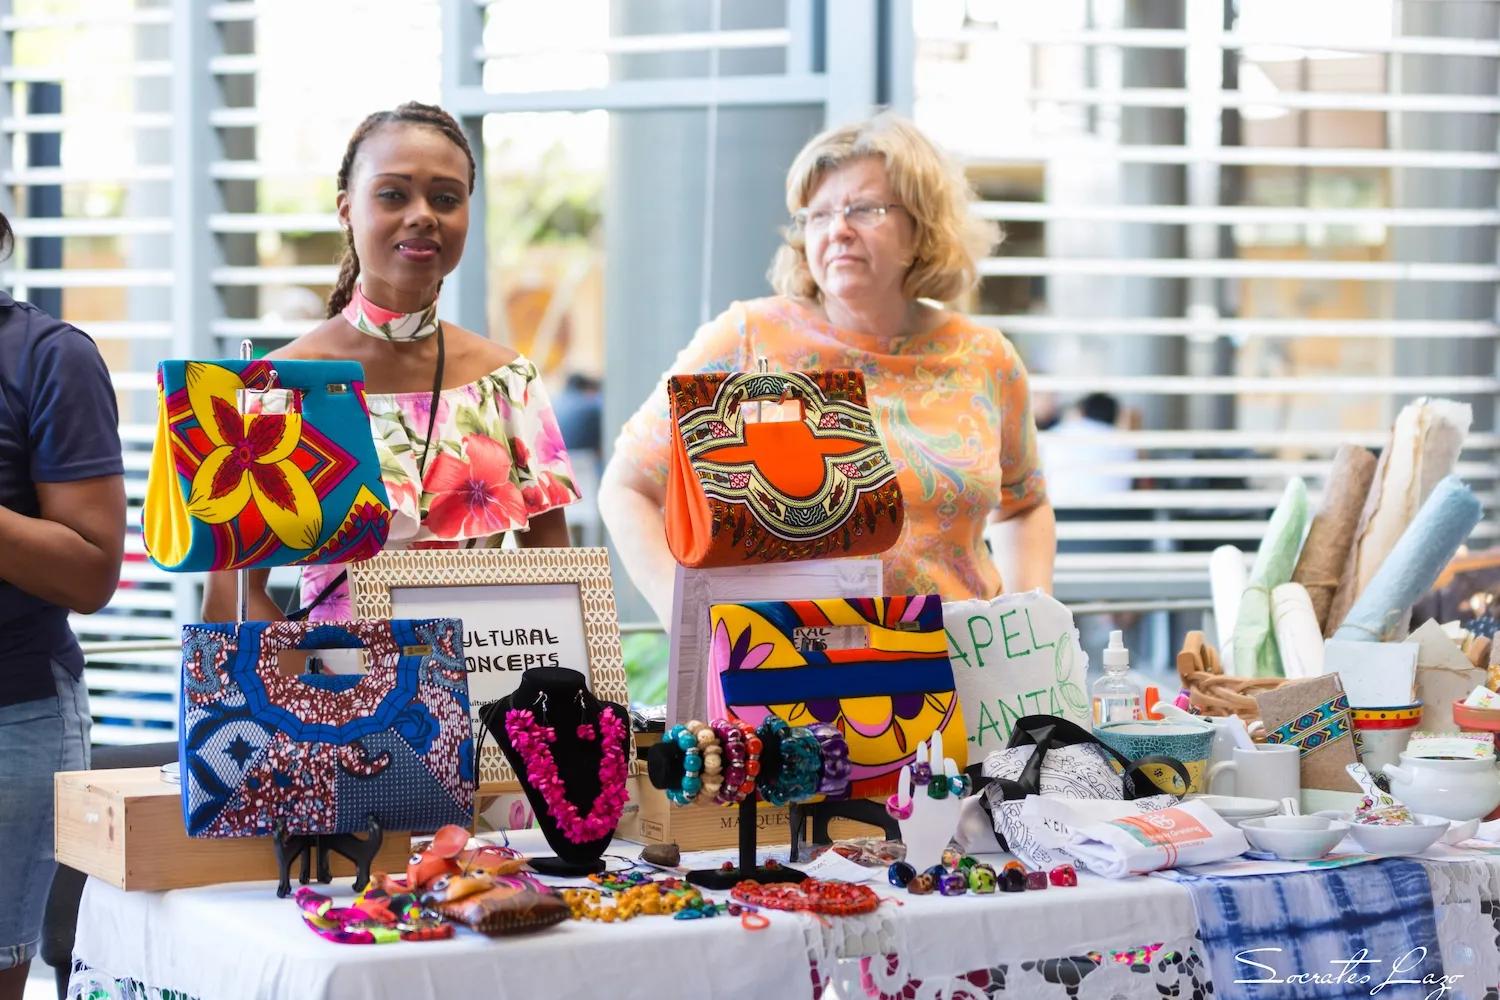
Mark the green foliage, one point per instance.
(557, 203)
(645, 655)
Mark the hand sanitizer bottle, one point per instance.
(1117, 697)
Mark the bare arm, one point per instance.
(546, 531)
(1028, 549)
(70, 554)
(220, 598)
(631, 505)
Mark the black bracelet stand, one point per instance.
(866, 811)
(664, 767)
(291, 846)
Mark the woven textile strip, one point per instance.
(1324, 724)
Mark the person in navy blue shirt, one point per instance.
(62, 534)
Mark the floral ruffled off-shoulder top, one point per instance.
(496, 460)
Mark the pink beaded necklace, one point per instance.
(532, 742)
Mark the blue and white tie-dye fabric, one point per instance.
(1322, 935)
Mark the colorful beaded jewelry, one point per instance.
(753, 747)
(771, 729)
(801, 768)
(713, 757)
(692, 766)
(833, 779)
(732, 741)
(619, 881)
(838, 899)
(669, 897)
(532, 741)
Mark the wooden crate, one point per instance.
(125, 826)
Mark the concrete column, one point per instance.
(1416, 188)
(667, 168)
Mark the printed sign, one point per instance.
(1015, 656)
(507, 630)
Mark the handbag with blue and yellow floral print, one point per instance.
(262, 463)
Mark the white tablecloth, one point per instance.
(240, 941)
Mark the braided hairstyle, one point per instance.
(410, 113)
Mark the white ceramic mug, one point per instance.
(1266, 772)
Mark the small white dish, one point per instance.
(1392, 841)
(1237, 805)
(1294, 838)
(1458, 830)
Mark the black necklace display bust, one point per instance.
(559, 698)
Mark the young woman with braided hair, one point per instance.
(469, 447)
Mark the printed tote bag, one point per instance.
(263, 750)
(775, 467)
(876, 668)
(260, 463)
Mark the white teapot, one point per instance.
(1452, 787)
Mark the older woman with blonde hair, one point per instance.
(880, 235)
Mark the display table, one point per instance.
(240, 941)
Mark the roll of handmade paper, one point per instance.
(1254, 639)
(1326, 551)
(1423, 448)
(1439, 528)
(1226, 582)
(1298, 638)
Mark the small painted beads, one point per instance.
(953, 884)
(982, 879)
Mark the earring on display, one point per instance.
(585, 729)
(540, 704)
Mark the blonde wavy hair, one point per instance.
(927, 183)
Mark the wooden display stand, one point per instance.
(125, 827)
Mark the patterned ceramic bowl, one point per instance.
(1187, 743)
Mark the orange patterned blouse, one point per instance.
(952, 405)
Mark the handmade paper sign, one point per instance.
(521, 609)
(1375, 674)
(1444, 675)
(1014, 656)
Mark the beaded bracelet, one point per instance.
(692, 766)
(801, 768)
(834, 749)
(807, 759)
(713, 759)
(753, 746)
(732, 739)
(772, 730)
(812, 896)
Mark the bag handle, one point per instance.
(1048, 731)
(432, 411)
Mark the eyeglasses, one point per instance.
(859, 214)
